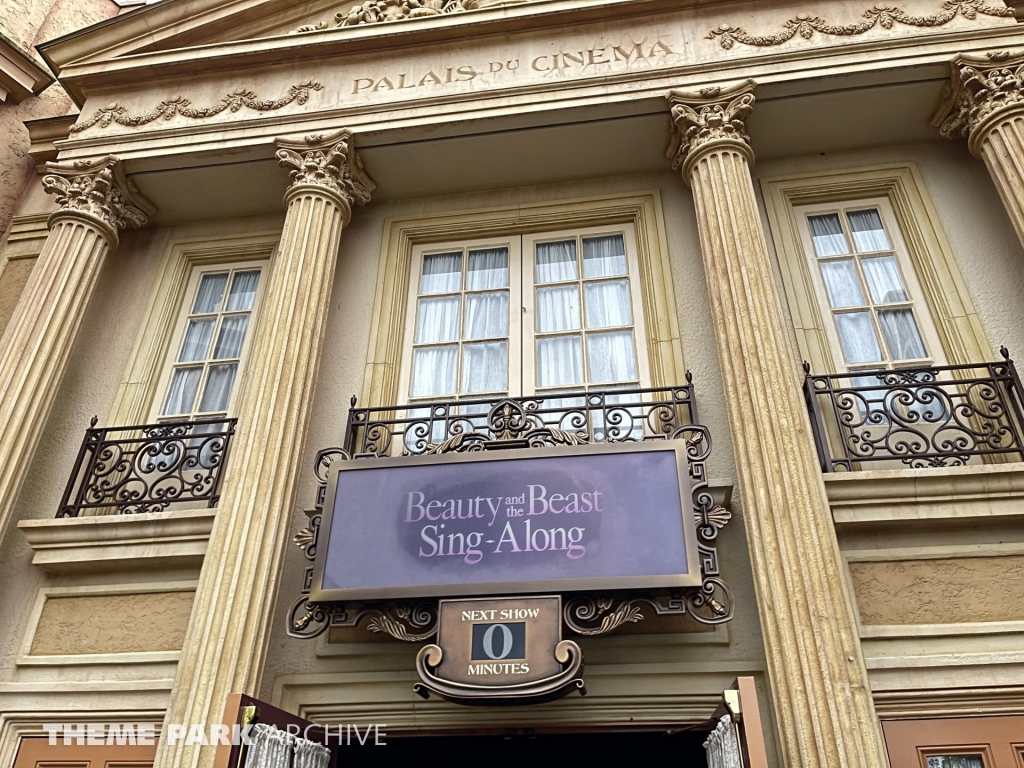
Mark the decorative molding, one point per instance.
(98, 191)
(711, 114)
(179, 105)
(329, 163)
(21, 75)
(980, 87)
(806, 25)
(380, 11)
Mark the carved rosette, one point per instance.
(709, 118)
(98, 192)
(328, 164)
(982, 91)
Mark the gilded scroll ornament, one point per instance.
(329, 162)
(97, 190)
(883, 16)
(234, 101)
(979, 88)
(710, 114)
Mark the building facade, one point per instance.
(278, 234)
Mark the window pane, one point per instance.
(558, 309)
(218, 388)
(884, 279)
(556, 261)
(182, 392)
(197, 340)
(486, 315)
(858, 337)
(827, 234)
(231, 336)
(608, 304)
(901, 335)
(842, 283)
(433, 371)
(442, 273)
(487, 269)
(559, 361)
(243, 290)
(210, 294)
(438, 320)
(611, 357)
(604, 256)
(868, 232)
(955, 761)
(485, 367)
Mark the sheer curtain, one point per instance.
(485, 367)
(243, 291)
(231, 337)
(556, 261)
(611, 357)
(608, 304)
(604, 256)
(217, 393)
(488, 268)
(559, 361)
(433, 371)
(827, 234)
(857, 337)
(901, 335)
(442, 273)
(438, 320)
(558, 309)
(884, 280)
(182, 392)
(868, 232)
(197, 340)
(486, 315)
(842, 284)
(210, 293)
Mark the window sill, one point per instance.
(175, 539)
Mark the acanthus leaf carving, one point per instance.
(883, 16)
(98, 191)
(328, 162)
(979, 88)
(710, 114)
(179, 105)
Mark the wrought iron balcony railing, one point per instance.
(147, 468)
(936, 416)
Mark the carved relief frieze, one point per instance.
(179, 105)
(886, 17)
(380, 11)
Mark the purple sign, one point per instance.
(589, 517)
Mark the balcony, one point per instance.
(148, 468)
(939, 416)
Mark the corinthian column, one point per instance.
(819, 681)
(227, 637)
(984, 104)
(96, 202)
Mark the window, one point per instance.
(542, 313)
(212, 337)
(867, 288)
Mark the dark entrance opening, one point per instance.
(683, 749)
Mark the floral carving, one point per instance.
(234, 101)
(711, 114)
(99, 191)
(883, 16)
(980, 88)
(379, 11)
(328, 162)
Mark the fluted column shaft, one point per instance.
(226, 642)
(819, 681)
(95, 202)
(985, 105)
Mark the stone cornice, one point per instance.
(981, 90)
(329, 165)
(20, 75)
(709, 117)
(98, 192)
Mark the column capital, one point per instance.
(981, 91)
(709, 117)
(98, 192)
(328, 164)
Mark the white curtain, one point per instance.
(486, 316)
(197, 340)
(559, 361)
(433, 371)
(604, 256)
(485, 367)
(438, 320)
(243, 290)
(442, 273)
(901, 335)
(217, 393)
(231, 337)
(182, 392)
(556, 262)
(210, 293)
(955, 761)
(868, 232)
(487, 269)
(857, 337)
(274, 748)
(310, 754)
(558, 309)
(842, 283)
(827, 234)
(884, 279)
(608, 304)
(611, 357)
(722, 747)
